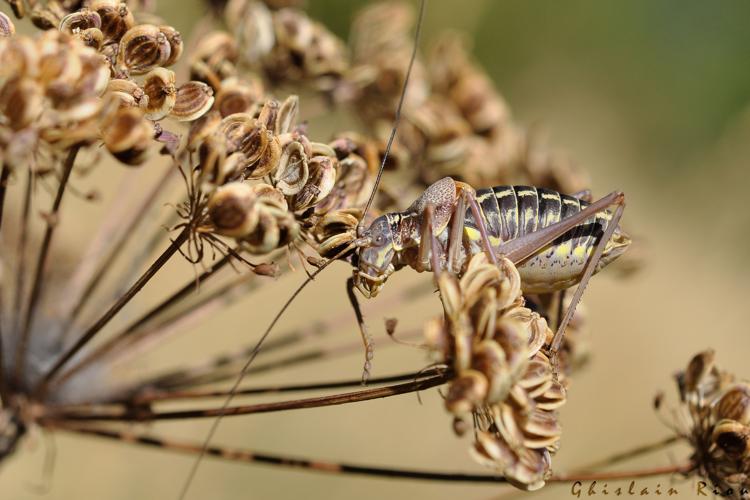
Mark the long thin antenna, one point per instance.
(353, 244)
(397, 117)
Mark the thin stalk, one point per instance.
(146, 414)
(21, 250)
(155, 311)
(4, 176)
(113, 237)
(113, 310)
(684, 468)
(629, 454)
(156, 396)
(248, 456)
(224, 368)
(36, 287)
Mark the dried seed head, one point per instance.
(18, 7)
(253, 28)
(214, 59)
(7, 28)
(319, 185)
(143, 48)
(293, 171)
(287, 115)
(194, 99)
(116, 18)
(128, 135)
(47, 17)
(80, 20)
(159, 87)
(128, 91)
(232, 211)
(175, 44)
(202, 128)
(276, 225)
(335, 230)
(91, 37)
(239, 96)
(21, 102)
(504, 383)
(715, 409)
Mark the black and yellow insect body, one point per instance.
(509, 220)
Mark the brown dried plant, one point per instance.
(256, 185)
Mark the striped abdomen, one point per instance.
(513, 211)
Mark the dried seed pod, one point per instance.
(236, 128)
(175, 44)
(287, 115)
(91, 37)
(253, 29)
(214, 59)
(21, 102)
(268, 157)
(733, 438)
(128, 91)
(202, 128)
(194, 99)
(734, 405)
(80, 20)
(212, 155)
(293, 171)
(238, 96)
(116, 18)
(128, 136)
(319, 185)
(232, 211)
(142, 48)
(158, 86)
(7, 28)
(47, 17)
(18, 7)
(19, 57)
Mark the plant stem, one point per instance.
(627, 455)
(36, 287)
(4, 176)
(155, 311)
(145, 414)
(627, 474)
(21, 251)
(113, 310)
(113, 237)
(157, 395)
(248, 456)
(284, 461)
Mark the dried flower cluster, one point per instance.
(503, 383)
(95, 74)
(717, 407)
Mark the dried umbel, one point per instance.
(717, 409)
(287, 44)
(50, 94)
(503, 382)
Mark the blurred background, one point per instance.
(651, 97)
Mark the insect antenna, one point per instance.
(354, 244)
(397, 116)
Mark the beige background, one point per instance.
(686, 209)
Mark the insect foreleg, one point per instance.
(366, 337)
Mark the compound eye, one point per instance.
(380, 240)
